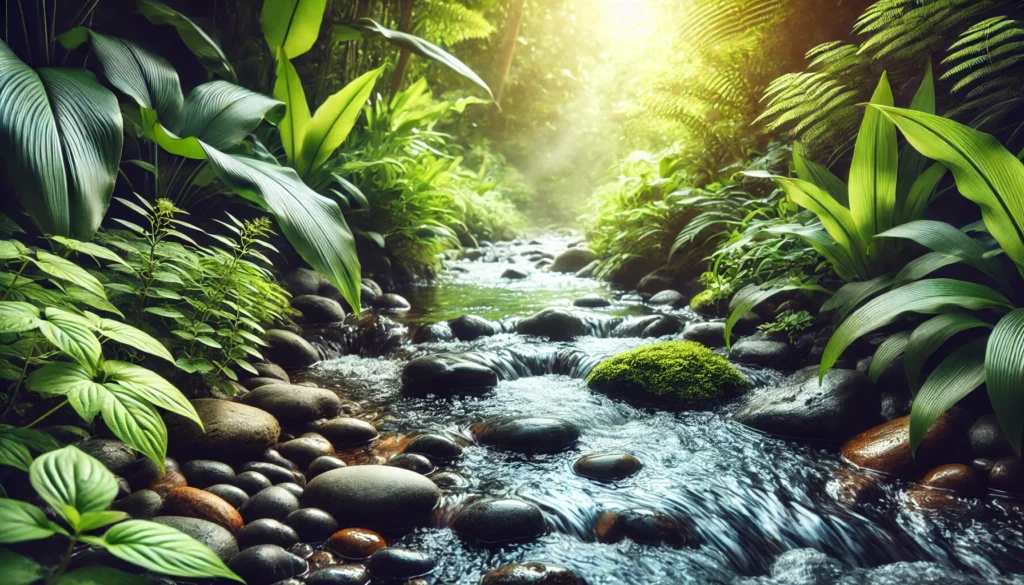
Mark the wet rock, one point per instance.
(323, 464)
(661, 326)
(515, 274)
(437, 447)
(273, 502)
(669, 298)
(494, 521)
(316, 309)
(389, 564)
(607, 466)
(987, 438)
(957, 478)
(843, 404)
(765, 353)
(251, 482)
(141, 473)
(588, 270)
(982, 466)
(293, 404)
(233, 495)
(573, 260)
(123, 489)
(275, 473)
(168, 482)
(442, 374)
(289, 349)
(258, 381)
(433, 333)
(556, 324)
(1007, 475)
(303, 281)
(271, 370)
(642, 526)
(806, 566)
(265, 564)
(142, 504)
(197, 503)
(470, 327)
(347, 432)
(853, 487)
(312, 524)
(450, 480)
(390, 302)
(295, 489)
(472, 254)
(921, 498)
(339, 575)
(114, 455)
(708, 333)
(356, 543)
(527, 434)
(306, 448)
(215, 537)
(531, 574)
(370, 290)
(413, 462)
(591, 302)
(654, 283)
(233, 431)
(895, 405)
(886, 448)
(370, 496)
(274, 456)
(267, 531)
(203, 473)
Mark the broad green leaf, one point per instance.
(67, 270)
(149, 386)
(128, 335)
(888, 352)
(941, 237)
(333, 120)
(18, 317)
(960, 373)
(73, 337)
(100, 575)
(909, 203)
(60, 138)
(312, 223)
(816, 237)
(874, 169)
(89, 249)
(752, 295)
(31, 438)
(932, 296)
(292, 25)
(163, 549)
(21, 521)
(1004, 374)
(84, 394)
(11, 249)
(14, 453)
(921, 267)
(195, 38)
(852, 294)
(69, 479)
(100, 518)
(288, 89)
(18, 570)
(165, 312)
(985, 172)
(921, 193)
(135, 422)
(812, 172)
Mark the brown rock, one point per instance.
(886, 448)
(957, 478)
(168, 482)
(356, 543)
(1007, 475)
(852, 487)
(531, 574)
(197, 503)
(926, 499)
(234, 431)
(320, 559)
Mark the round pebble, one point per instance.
(356, 543)
(267, 531)
(312, 524)
(413, 462)
(273, 502)
(251, 482)
(399, 563)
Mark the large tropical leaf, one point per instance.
(921, 193)
(21, 521)
(288, 89)
(887, 353)
(929, 336)
(922, 266)
(985, 172)
(960, 373)
(911, 163)
(874, 169)
(72, 483)
(195, 38)
(1004, 374)
(852, 294)
(60, 140)
(162, 549)
(812, 172)
(292, 25)
(333, 121)
(941, 237)
(925, 296)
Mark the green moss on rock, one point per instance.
(706, 302)
(677, 373)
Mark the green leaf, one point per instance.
(130, 336)
(93, 520)
(135, 422)
(288, 89)
(921, 267)
(163, 549)
(14, 453)
(73, 381)
(60, 138)
(18, 570)
(926, 296)
(333, 120)
(18, 317)
(73, 337)
(912, 195)
(874, 169)
(941, 237)
(888, 352)
(852, 294)
(1004, 374)
(921, 193)
(21, 521)
(752, 295)
(959, 374)
(151, 387)
(89, 249)
(69, 479)
(812, 172)
(195, 38)
(99, 575)
(67, 270)
(292, 25)
(165, 312)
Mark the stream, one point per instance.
(755, 503)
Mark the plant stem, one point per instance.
(14, 280)
(48, 413)
(67, 559)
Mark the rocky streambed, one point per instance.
(449, 437)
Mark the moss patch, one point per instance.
(706, 302)
(677, 373)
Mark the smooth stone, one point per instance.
(317, 309)
(275, 473)
(433, 333)
(295, 489)
(273, 502)
(347, 431)
(306, 448)
(450, 480)
(391, 302)
(399, 563)
(202, 473)
(607, 466)
(324, 464)
(303, 281)
(472, 254)
(982, 465)
(339, 575)
(272, 370)
(661, 326)
(895, 405)
(267, 531)
(356, 543)
(588, 270)
(556, 324)
(258, 382)
(197, 503)
(853, 487)
(527, 434)
(654, 283)
(251, 482)
(274, 456)
(842, 405)
(531, 574)
(369, 496)
(123, 488)
(670, 298)
(141, 473)
(515, 274)
(708, 333)
(494, 521)
(642, 526)
(471, 327)
(958, 478)
(141, 504)
(987, 438)
(921, 498)
(1007, 475)
(312, 524)
(369, 290)
(442, 374)
(886, 448)
(114, 455)
(213, 536)
(289, 349)
(292, 404)
(265, 564)
(591, 302)
(573, 260)
(233, 431)
(233, 495)
(765, 353)
(413, 462)
(168, 482)
(436, 447)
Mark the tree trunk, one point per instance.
(404, 25)
(515, 18)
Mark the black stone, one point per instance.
(141, 504)
(214, 536)
(494, 521)
(515, 274)
(317, 309)
(389, 564)
(251, 482)
(274, 456)
(271, 370)
(471, 327)
(339, 575)
(371, 496)
(295, 489)
(709, 333)
(275, 473)
(607, 466)
(267, 531)
(265, 564)
(556, 324)
(450, 480)
(765, 353)
(347, 431)
(988, 440)
(294, 404)
(413, 462)
(436, 447)
(527, 434)
(441, 374)
(289, 350)
(531, 574)
(391, 302)
(644, 527)
(669, 298)
(312, 524)
(306, 448)
(273, 502)
(323, 464)
(591, 302)
(258, 382)
(114, 455)
(233, 495)
(202, 473)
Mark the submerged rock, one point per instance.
(591, 302)
(642, 526)
(886, 448)
(390, 564)
(674, 373)
(853, 487)
(316, 309)
(435, 446)
(292, 404)
(443, 374)
(607, 466)
(215, 537)
(527, 434)
(515, 274)
(494, 521)
(392, 303)
(233, 430)
(555, 324)
(531, 574)
(289, 349)
(471, 327)
(371, 496)
(573, 260)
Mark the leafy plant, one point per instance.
(79, 489)
(792, 323)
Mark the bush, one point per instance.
(678, 373)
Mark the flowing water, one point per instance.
(749, 497)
